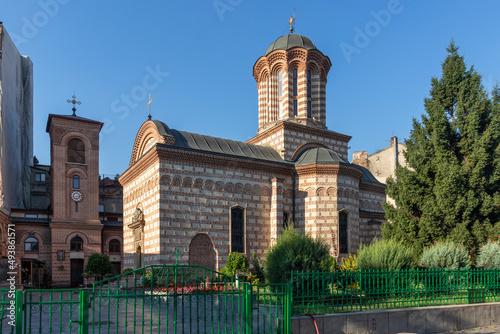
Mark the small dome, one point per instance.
(290, 41)
(319, 156)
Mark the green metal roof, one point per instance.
(290, 41)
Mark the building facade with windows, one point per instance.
(208, 196)
(73, 212)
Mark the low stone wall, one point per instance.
(434, 319)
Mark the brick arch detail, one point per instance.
(148, 130)
(74, 234)
(202, 251)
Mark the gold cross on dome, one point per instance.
(75, 102)
(291, 21)
(149, 105)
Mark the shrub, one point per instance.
(445, 255)
(235, 262)
(257, 275)
(384, 254)
(126, 270)
(489, 256)
(349, 263)
(98, 265)
(295, 251)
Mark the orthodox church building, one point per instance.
(208, 196)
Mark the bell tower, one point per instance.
(74, 144)
(291, 85)
(291, 82)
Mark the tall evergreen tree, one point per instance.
(451, 189)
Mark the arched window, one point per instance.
(76, 244)
(76, 182)
(31, 245)
(343, 232)
(309, 105)
(280, 83)
(308, 83)
(295, 79)
(114, 246)
(237, 230)
(76, 151)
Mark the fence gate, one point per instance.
(169, 299)
(268, 308)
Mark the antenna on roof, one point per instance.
(291, 22)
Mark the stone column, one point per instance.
(276, 208)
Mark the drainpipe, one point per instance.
(294, 183)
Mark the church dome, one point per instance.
(290, 41)
(319, 156)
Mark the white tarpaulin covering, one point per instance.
(16, 124)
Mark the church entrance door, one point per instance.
(76, 273)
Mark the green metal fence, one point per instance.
(187, 299)
(349, 291)
(44, 311)
(7, 311)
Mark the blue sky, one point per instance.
(196, 60)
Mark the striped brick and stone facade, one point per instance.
(208, 196)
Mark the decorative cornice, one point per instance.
(339, 169)
(212, 158)
(282, 125)
(372, 186)
(371, 215)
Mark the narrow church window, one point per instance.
(76, 151)
(295, 107)
(237, 230)
(309, 106)
(76, 244)
(31, 245)
(280, 84)
(295, 82)
(343, 233)
(280, 93)
(286, 217)
(308, 83)
(76, 182)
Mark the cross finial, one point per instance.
(291, 22)
(176, 254)
(149, 105)
(75, 102)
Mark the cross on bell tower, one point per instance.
(75, 102)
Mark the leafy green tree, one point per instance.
(235, 262)
(98, 265)
(451, 189)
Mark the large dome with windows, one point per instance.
(290, 41)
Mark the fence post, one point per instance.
(19, 299)
(360, 289)
(247, 291)
(289, 304)
(84, 312)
